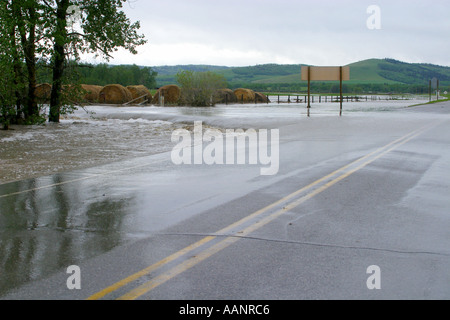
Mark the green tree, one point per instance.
(19, 34)
(27, 22)
(33, 30)
(8, 86)
(199, 89)
(102, 29)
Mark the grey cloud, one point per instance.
(335, 31)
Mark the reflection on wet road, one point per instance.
(46, 229)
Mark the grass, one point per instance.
(447, 98)
(367, 72)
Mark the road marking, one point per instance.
(183, 266)
(149, 269)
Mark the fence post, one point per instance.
(340, 85)
(429, 90)
(161, 97)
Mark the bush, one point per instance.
(200, 89)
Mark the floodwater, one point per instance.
(44, 229)
(77, 142)
(104, 134)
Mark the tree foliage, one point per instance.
(200, 89)
(8, 85)
(18, 34)
(103, 28)
(412, 73)
(55, 32)
(104, 74)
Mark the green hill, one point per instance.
(367, 71)
(412, 73)
(273, 77)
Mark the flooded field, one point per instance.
(104, 134)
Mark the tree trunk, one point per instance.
(17, 65)
(18, 76)
(30, 60)
(60, 39)
(27, 30)
(58, 70)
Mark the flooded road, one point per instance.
(100, 181)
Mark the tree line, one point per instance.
(412, 73)
(103, 74)
(53, 33)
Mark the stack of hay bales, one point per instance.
(245, 95)
(262, 98)
(114, 94)
(139, 91)
(92, 93)
(171, 93)
(226, 96)
(43, 92)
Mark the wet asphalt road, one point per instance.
(367, 189)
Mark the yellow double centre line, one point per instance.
(232, 233)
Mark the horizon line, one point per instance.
(261, 64)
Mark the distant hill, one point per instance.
(372, 71)
(390, 70)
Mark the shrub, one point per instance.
(200, 89)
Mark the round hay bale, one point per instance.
(226, 96)
(92, 93)
(262, 98)
(43, 92)
(139, 91)
(245, 95)
(171, 93)
(114, 94)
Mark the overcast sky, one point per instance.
(320, 32)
